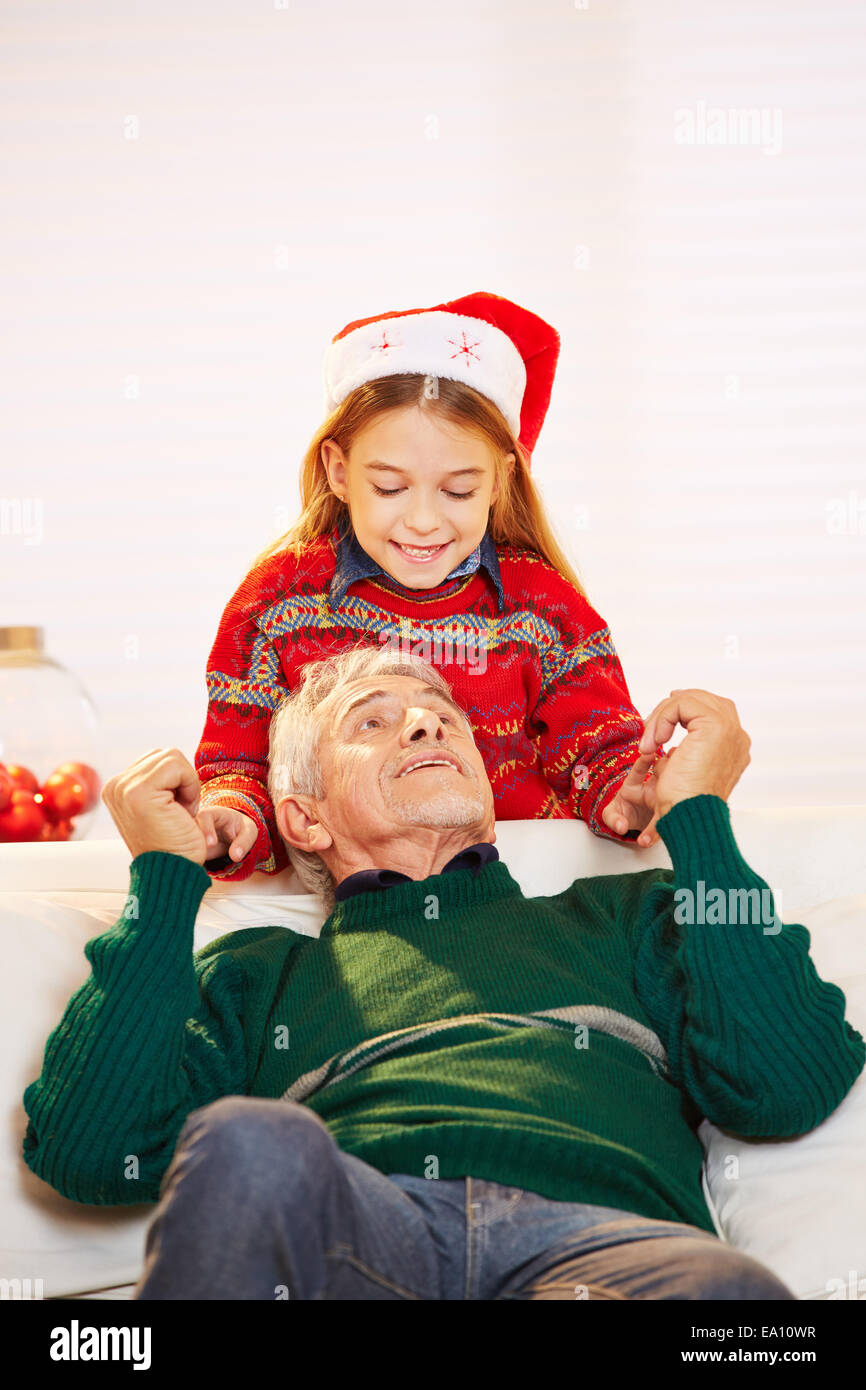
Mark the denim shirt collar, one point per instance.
(353, 564)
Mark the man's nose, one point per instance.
(420, 724)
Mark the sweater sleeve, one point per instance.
(753, 1034)
(151, 1035)
(586, 728)
(245, 684)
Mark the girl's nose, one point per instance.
(422, 516)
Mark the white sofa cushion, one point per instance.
(807, 855)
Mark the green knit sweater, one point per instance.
(447, 1027)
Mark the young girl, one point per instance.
(421, 530)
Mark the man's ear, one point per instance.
(299, 824)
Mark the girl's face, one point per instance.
(419, 491)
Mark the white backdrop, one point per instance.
(197, 197)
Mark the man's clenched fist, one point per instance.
(154, 804)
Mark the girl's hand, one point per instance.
(634, 806)
(227, 831)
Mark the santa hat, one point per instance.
(505, 352)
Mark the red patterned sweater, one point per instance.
(540, 682)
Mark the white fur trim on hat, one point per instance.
(435, 343)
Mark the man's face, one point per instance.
(393, 754)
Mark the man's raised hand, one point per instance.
(710, 759)
(154, 804)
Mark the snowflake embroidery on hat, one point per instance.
(387, 343)
(465, 349)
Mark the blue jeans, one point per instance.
(259, 1202)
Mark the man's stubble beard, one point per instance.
(445, 809)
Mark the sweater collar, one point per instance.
(418, 902)
(367, 880)
(353, 564)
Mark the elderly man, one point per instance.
(454, 1092)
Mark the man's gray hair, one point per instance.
(293, 751)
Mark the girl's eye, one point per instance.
(392, 492)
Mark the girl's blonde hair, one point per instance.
(516, 517)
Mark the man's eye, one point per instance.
(371, 719)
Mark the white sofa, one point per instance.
(798, 1205)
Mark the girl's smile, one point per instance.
(421, 554)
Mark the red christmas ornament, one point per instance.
(23, 819)
(62, 797)
(7, 787)
(22, 777)
(86, 775)
(61, 831)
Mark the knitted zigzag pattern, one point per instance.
(540, 682)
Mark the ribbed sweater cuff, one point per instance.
(170, 886)
(699, 839)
